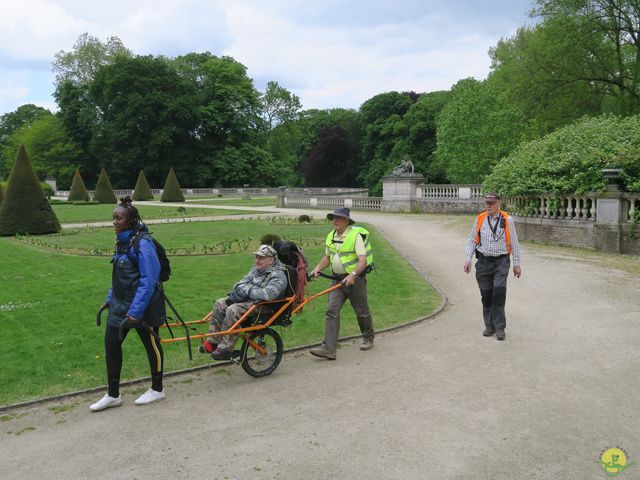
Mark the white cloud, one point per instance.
(331, 53)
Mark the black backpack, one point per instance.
(165, 266)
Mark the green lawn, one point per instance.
(103, 213)
(48, 301)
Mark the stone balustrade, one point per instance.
(453, 191)
(326, 202)
(567, 207)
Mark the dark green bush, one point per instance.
(569, 160)
(142, 190)
(25, 208)
(91, 202)
(1, 194)
(172, 191)
(104, 190)
(269, 239)
(78, 191)
(304, 219)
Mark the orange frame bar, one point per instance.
(234, 329)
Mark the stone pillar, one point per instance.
(281, 195)
(399, 192)
(610, 212)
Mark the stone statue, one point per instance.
(405, 167)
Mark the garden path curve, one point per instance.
(432, 401)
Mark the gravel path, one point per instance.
(432, 401)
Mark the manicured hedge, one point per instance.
(25, 208)
(172, 191)
(142, 190)
(570, 159)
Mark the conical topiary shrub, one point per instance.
(25, 208)
(104, 190)
(142, 190)
(1, 194)
(172, 191)
(78, 192)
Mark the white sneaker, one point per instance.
(106, 402)
(150, 396)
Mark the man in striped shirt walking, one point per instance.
(493, 240)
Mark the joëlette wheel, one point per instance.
(261, 363)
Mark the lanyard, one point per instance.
(494, 228)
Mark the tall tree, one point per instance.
(420, 142)
(329, 147)
(594, 44)
(53, 153)
(145, 118)
(384, 129)
(81, 64)
(10, 122)
(476, 128)
(279, 105)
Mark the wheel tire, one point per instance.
(253, 362)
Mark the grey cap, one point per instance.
(341, 212)
(266, 251)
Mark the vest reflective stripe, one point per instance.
(481, 219)
(347, 253)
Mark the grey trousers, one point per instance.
(492, 274)
(224, 317)
(357, 296)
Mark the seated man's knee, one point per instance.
(487, 297)
(499, 296)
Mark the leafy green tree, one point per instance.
(78, 192)
(537, 69)
(146, 118)
(329, 147)
(228, 129)
(384, 130)
(420, 141)
(569, 160)
(172, 191)
(476, 128)
(79, 116)
(89, 54)
(11, 122)
(25, 208)
(593, 43)
(53, 153)
(104, 191)
(279, 105)
(142, 190)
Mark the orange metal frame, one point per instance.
(236, 329)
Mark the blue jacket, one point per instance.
(148, 266)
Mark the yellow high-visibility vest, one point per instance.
(346, 250)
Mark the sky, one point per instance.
(330, 53)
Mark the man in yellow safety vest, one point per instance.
(348, 252)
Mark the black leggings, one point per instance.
(113, 353)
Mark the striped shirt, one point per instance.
(493, 244)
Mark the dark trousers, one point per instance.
(357, 296)
(113, 353)
(492, 274)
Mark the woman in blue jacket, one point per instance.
(135, 300)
